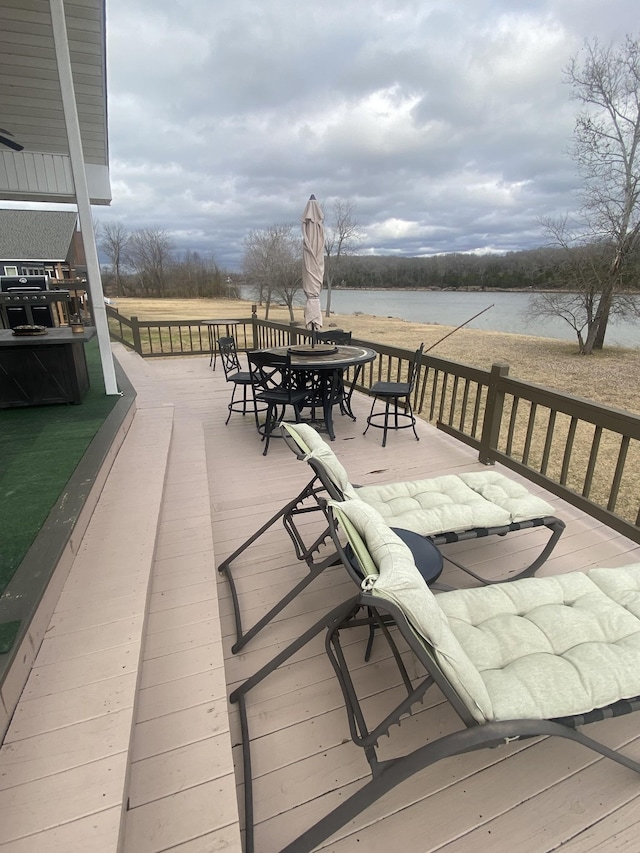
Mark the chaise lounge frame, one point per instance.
(312, 499)
(387, 774)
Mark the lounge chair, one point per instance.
(446, 509)
(484, 505)
(534, 657)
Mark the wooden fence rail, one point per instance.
(585, 453)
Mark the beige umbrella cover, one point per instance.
(312, 262)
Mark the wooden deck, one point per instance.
(178, 787)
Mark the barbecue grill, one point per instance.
(28, 300)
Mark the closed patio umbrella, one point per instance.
(312, 262)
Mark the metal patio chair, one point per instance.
(534, 657)
(240, 378)
(333, 336)
(273, 386)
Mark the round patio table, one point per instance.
(326, 364)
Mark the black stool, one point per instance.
(392, 393)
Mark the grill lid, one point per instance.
(12, 283)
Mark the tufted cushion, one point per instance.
(536, 648)
(556, 646)
(501, 491)
(451, 503)
(454, 502)
(436, 505)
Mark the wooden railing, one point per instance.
(585, 453)
(161, 338)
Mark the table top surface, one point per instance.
(342, 356)
(59, 335)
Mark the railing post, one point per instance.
(135, 331)
(492, 414)
(254, 326)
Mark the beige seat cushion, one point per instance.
(535, 648)
(452, 503)
(552, 647)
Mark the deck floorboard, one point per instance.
(534, 796)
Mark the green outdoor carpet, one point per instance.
(39, 449)
(8, 633)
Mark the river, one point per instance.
(508, 314)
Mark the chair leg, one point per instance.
(230, 406)
(246, 403)
(413, 420)
(269, 424)
(255, 406)
(273, 418)
(386, 422)
(389, 419)
(369, 417)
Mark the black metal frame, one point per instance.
(387, 774)
(300, 505)
(343, 392)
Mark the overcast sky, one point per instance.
(446, 124)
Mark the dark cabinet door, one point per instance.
(40, 375)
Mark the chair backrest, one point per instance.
(414, 369)
(334, 336)
(307, 444)
(269, 372)
(229, 356)
(391, 576)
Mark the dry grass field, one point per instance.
(611, 377)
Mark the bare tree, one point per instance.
(150, 250)
(341, 238)
(114, 240)
(579, 272)
(197, 275)
(272, 263)
(606, 138)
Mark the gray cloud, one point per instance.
(447, 124)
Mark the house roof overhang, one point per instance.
(31, 101)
